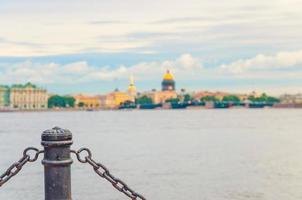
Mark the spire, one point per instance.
(132, 88)
(131, 80)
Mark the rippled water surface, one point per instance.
(165, 155)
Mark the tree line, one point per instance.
(57, 101)
(187, 98)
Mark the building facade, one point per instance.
(4, 96)
(218, 95)
(161, 96)
(167, 92)
(115, 99)
(28, 97)
(87, 102)
(291, 98)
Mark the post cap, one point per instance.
(56, 134)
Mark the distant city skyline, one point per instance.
(94, 46)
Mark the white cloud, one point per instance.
(61, 27)
(282, 65)
(270, 69)
(188, 62)
(263, 63)
(185, 66)
(77, 68)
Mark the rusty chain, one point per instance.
(103, 172)
(15, 168)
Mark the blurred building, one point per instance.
(87, 102)
(115, 99)
(167, 92)
(161, 96)
(168, 82)
(218, 95)
(291, 98)
(132, 89)
(4, 96)
(255, 94)
(28, 97)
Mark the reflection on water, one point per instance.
(189, 154)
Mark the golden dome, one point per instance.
(168, 76)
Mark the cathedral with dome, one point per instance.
(168, 83)
(167, 90)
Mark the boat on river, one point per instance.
(149, 106)
(179, 105)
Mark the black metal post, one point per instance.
(57, 163)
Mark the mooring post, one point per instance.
(57, 163)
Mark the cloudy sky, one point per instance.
(93, 46)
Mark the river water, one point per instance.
(235, 154)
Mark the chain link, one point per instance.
(103, 172)
(15, 168)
